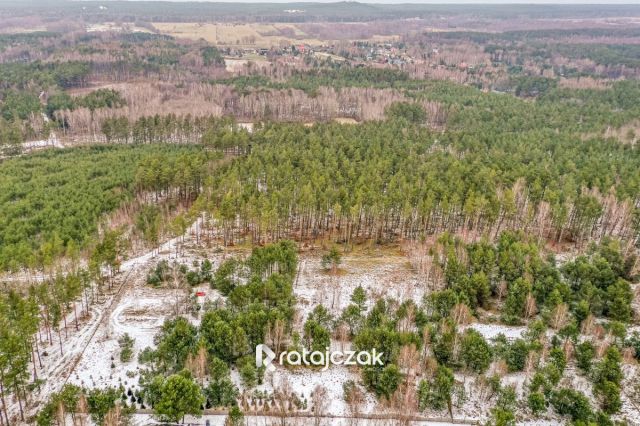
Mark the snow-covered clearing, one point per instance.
(303, 381)
(87, 352)
(56, 366)
(91, 354)
(385, 275)
(491, 331)
(52, 142)
(140, 313)
(112, 26)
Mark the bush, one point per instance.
(193, 278)
(568, 402)
(436, 394)
(221, 393)
(609, 394)
(332, 259)
(475, 351)
(159, 274)
(516, 355)
(249, 375)
(585, 352)
(558, 359)
(126, 347)
(536, 403)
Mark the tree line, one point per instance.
(217, 132)
(101, 98)
(310, 81)
(41, 312)
(167, 174)
(30, 319)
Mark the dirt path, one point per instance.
(57, 368)
(103, 317)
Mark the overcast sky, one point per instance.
(438, 1)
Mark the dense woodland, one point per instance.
(393, 180)
(53, 202)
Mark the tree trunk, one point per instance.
(75, 315)
(17, 392)
(33, 358)
(60, 340)
(4, 405)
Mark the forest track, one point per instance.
(58, 372)
(60, 369)
(104, 317)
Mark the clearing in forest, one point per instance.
(245, 35)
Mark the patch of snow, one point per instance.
(387, 276)
(490, 331)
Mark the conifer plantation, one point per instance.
(394, 180)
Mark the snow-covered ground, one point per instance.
(131, 306)
(218, 420)
(91, 356)
(112, 26)
(140, 312)
(385, 275)
(490, 331)
(303, 381)
(52, 142)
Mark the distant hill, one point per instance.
(159, 11)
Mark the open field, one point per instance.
(112, 26)
(239, 35)
(260, 35)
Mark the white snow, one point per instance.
(218, 420)
(380, 276)
(490, 331)
(140, 311)
(51, 142)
